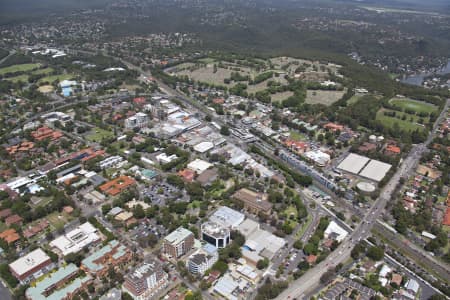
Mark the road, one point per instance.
(5, 58)
(311, 279)
(417, 254)
(342, 253)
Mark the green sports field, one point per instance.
(19, 68)
(417, 106)
(60, 77)
(407, 125)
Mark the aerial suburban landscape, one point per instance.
(211, 149)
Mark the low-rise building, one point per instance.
(117, 186)
(60, 285)
(76, 240)
(10, 236)
(31, 266)
(113, 255)
(254, 202)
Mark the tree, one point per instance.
(298, 244)
(357, 250)
(327, 277)
(220, 266)
(138, 211)
(262, 264)
(7, 276)
(197, 295)
(224, 130)
(375, 253)
(126, 296)
(437, 297)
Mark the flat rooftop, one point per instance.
(375, 170)
(227, 217)
(353, 163)
(75, 240)
(178, 235)
(29, 261)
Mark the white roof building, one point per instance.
(164, 159)
(203, 147)
(365, 167)
(375, 170)
(30, 264)
(334, 228)
(227, 217)
(353, 163)
(225, 286)
(318, 157)
(385, 270)
(75, 240)
(260, 241)
(412, 286)
(199, 166)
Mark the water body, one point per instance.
(417, 79)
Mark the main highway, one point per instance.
(311, 279)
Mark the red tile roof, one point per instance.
(10, 236)
(116, 186)
(14, 219)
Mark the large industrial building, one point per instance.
(258, 243)
(365, 167)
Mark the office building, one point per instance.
(215, 234)
(178, 243)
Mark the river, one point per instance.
(417, 79)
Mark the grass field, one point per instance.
(296, 136)
(97, 134)
(403, 124)
(58, 220)
(305, 225)
(353, 99)
(44, 71)
(281, 96)
(23, 78)
(289, 212)
(19, 68)
(323, 97)
(207, 75)
(207, 60)
(417, 106)
(60, 77)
